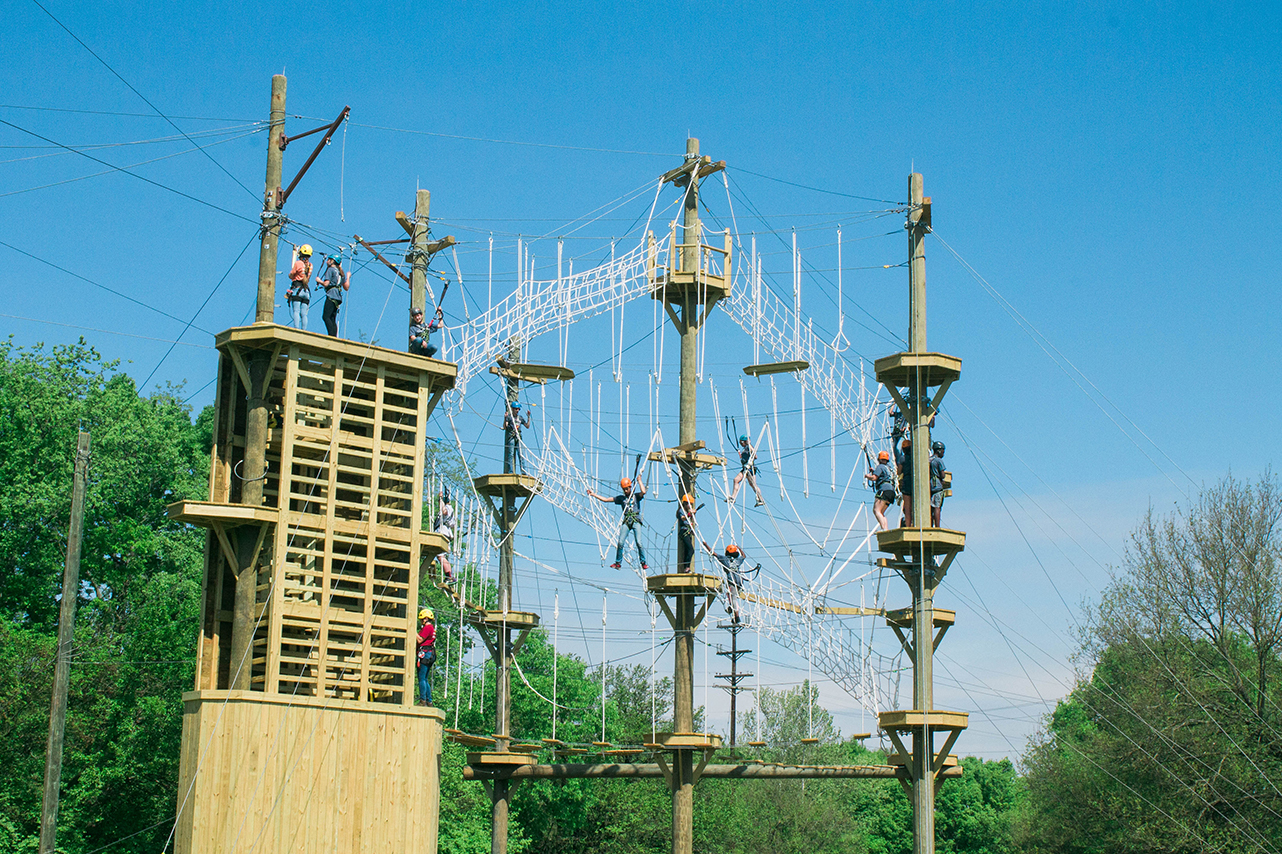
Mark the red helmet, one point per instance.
(732, 549)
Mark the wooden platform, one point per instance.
(267, 335)
(705, 285)
(515, 620)
(532, 373)
(914, 542)
(768, 368)
(279, 773)
(685, 741)
(497, 485)
(207, 514)
(433, 544)
(929, 369)
(949, 761)
(904, 617)
(683, 583)
(907, 720)
(494, 760)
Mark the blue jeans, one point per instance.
(624, 530)
(298, 313)
(425, 679)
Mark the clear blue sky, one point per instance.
(1110, 170)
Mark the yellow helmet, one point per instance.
(426, 614)
(305, 250)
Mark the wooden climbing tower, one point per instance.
(302, 733)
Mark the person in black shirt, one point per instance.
(936, 484)
(630, 501)
(882, 479)
(747, 469)
(904, 460)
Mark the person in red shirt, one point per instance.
(299, 295)
(426, 654)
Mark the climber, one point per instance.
(904, 461)
(421, 333)
(426, 654)
(882, 479)
(747, 469)
(936, 484)
(334, 281)
(512, 425)
(299, 294)
(731, 564)
(685, 532)
(630, 501)
(445, 527)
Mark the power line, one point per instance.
(144, 98)
(115, 113)
(815, 189)
(511, 141)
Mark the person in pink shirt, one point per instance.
(426, 654)
(299, 295)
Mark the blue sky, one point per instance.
(1107, 168)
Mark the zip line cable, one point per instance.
(509, 141)
(108, 331)
(248, 128)
(814, 189)
(133, 115)
(144, 98)
(208, 297)
(127, 172)
(102, 286)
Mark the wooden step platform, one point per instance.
(523, 485)
(907, 720)
(903, 617)
(514, 620)
(914, 542)
(683, 584)
(929, 369)
(768, 368)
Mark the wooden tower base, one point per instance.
(285, 774)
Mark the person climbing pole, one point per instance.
(299, 294)
(445, 527)
(748, 470)
(936, 483)
(421, 333)
(882, 479)
(334, 281)
(904, 462)
(685, 533)
(732, 566)
(426, 654)
(630, 501)
(513, 423)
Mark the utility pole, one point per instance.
(62, 662)
(418, 254)
(253, 471)
(735, 676)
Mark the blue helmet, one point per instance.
(743, 438)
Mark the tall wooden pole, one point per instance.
(253, 469)
(923, 594)
(271, 207)
(418, 253)
(62, 663)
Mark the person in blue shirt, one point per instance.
(904, 461)
(732, 567)
(936, 484)
(334, 282)
(630, 501)
(882, 479)
(421, 333)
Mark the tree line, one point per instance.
(1169, 741)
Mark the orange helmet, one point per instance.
(883, 456)
(687, 499)
(732, 549)
(626, 483)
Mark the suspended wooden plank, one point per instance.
(768, 368)
(532, 373)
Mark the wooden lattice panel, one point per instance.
(338, 576)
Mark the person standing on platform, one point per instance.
(334, 282)
(936, 484)
(426, 654)
(630, 501)
(513, 423)
(747, 469)
(421, 333)
(685, 532)
(883, 485)
(299, 295)
(904, 461)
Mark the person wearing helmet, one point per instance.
(299, 294)
(936, 483)
(630, 501)
(513, 423)
(420, 332)
(426, 654)
(747, 469)
(445, 527)
(732, 567)
(334, 281)
(882, 480)
(685, 532)
(904, 462)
